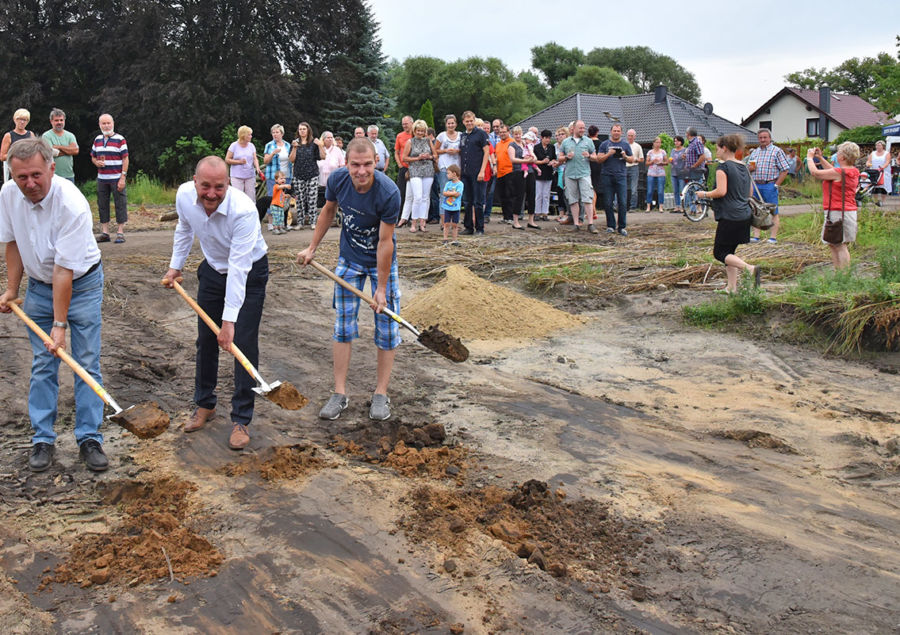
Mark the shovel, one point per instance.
(282, 394)
(144, 420)
(432, 338)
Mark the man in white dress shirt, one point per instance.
(232, 286)
(46, 224)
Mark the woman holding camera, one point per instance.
(839, 184)
(732, 210)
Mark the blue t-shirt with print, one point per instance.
(363, 214)
(615, 164)
(456, 205)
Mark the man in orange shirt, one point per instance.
(504, 172)
(402, 138)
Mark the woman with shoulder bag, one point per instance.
(839, 185)
(732, 210)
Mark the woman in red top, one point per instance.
(839, 185)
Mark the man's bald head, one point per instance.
(216, 164)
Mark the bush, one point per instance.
(176, 163)
(860, 134)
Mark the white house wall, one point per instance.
(788, 116)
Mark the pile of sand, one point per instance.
(469, 307)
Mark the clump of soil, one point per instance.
(145, 420)
(566, 538)
(151, 543)
(463, 304)
(444, 344)
(756, 439)
(286, 396)
(410, 450)
(280, 462)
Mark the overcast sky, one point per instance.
(738, 51)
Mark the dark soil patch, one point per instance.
(444, 344)
(151, 543)
(410, 450)
(579, 538)
(281, 462)
(756, 439)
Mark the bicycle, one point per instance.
(695, 209)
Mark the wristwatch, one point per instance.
(61, 325)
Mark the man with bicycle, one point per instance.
(768, 167)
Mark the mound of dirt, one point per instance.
(756, 439)
(462, 304)
(566, 538)
(288, 461)
(150, 544)
(410, 450)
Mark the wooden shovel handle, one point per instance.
(215, 329)
(63, 355)
(362, 295)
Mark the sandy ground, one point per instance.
(707, 482)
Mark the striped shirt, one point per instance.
(275, 165)
(113, 151)
(770, 162)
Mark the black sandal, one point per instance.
(103, 238)
(532, 226)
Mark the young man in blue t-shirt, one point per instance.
(370, 202)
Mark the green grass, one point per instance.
(143, 190)
(747, 302)
(547, 277)
(877, 228)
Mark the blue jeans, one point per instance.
(655, 185)
(84, 328)
(473, 203)
(632, 176)
(769, 194)
(615, 187)
(677, 186)
(211, 298)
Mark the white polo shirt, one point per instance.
(56, 231)
(230, 237)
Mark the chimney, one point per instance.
(825, 107)
(659, 94)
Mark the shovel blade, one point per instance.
(145, 420)
(259, 390)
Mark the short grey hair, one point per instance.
(24, 149)
(56, 112)
(371, 128)
(277, 128)
(691, 131)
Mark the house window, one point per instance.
(812, 127)
(766, 124)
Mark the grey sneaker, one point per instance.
(381, 408)
(623, 232)
(336, 404)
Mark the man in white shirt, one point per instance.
(232, 286)
(633, 170)
(46, 224)
(383, 157)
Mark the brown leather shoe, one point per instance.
(199, 419)
(239, 437)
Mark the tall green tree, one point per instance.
(556, 62)
(646, 69)
(875, 79)
(595, 80)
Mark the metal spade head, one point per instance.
(145, 420)
(259, 390)
(444, 344)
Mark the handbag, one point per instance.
(833, 233)
(761, 215)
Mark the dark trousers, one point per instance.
(615, 188)
(512, 191)
(490, 188)
(211, 298)
(530, 191)
(473, 203)
(401, 183)
(104, 189)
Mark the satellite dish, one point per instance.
(707, 108)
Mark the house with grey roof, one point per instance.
(649, 114)
(795, 113)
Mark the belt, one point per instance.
(764, 182)
(91, 270)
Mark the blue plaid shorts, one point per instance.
(346, 329)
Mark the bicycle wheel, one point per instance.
(695, 209)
